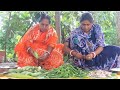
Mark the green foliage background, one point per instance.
(20, 21)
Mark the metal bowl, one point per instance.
(116, 70)
(4, 67)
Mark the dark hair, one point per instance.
(45, 16)
(87, 16)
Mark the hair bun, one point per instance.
(43, 15)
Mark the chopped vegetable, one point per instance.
(100, 74)
(65, 71)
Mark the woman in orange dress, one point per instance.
(41, 38)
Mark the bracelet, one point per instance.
(71, 52)
(94, 54)
(28, 49)
(47, 52)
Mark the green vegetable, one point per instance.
(15, 71)
(20, 76)
(66, 71)
(35, 74)
(36, 55)
(26, 73)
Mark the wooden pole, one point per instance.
(57, 25)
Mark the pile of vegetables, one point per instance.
(65, 71)
(27, 71)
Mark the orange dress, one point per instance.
(39, 42)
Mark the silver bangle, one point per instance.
(28, 49)
(71, 52)
(48, 52)
(94, 54)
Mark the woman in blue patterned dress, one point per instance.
(87, 49)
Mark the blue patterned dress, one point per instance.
(86, 43)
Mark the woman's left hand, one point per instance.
(89, 56)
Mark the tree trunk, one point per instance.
(118, 26)
(57, 25)
(7, 35)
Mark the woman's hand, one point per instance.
(89, 56)
(79, 55)
(43, 57)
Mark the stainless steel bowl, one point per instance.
(116, 70)
(4, 67)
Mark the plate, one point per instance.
(8, 65)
